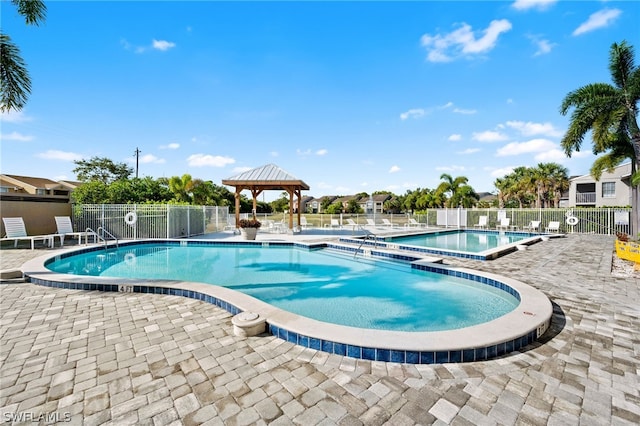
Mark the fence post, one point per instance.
(168, 207)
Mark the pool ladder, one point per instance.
(368, 235)
(100, 235)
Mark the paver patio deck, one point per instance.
(111, 358)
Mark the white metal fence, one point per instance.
(606, 221)
(174, 221)
(132, 221)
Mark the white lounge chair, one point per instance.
(388, 223)
(371, 222)
(65, 228)
(553, 226)
(15, 231)
(505, 224)
(533, 226)
(414, 224)
(335, 223)
(482, 222)
(353, 224)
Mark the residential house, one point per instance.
(612, 190)
(374, 203)
(315, 204)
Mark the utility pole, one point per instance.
(137, 154)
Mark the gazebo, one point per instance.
(269, 177)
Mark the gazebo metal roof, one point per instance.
(269, 176)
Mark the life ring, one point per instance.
(131, 218)
(572, 220)
(130, 258)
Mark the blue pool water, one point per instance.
(320, 284)
(467, 241)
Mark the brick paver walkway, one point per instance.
(109, 358)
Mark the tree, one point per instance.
(610, 113)
(456, 190)
(101, 169)
(181, 187)
(15, 83)
(334, 208)
(353, 207)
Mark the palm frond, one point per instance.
(15, 84)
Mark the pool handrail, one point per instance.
(101, 233)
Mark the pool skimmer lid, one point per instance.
(247, 324)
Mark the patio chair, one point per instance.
(553, 226)
(482, 222)
(505, 224)
(371, 222)
(533, 226)
(15, 231)
(65, 228)
(335, 223)
(387, 222)
(304, 224)
(414, 224)
(353, 224)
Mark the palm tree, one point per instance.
(15, 84)
(610, 113)
(453, 188)
(181, 187)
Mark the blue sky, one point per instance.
(347, 96)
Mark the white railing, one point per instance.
(586, 198)
(132, 221)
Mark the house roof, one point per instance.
(33, 182)
(269, 176)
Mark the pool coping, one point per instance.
(505, 334)
(489, 254)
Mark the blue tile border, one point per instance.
(329, 346)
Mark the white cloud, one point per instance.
(303, 153)
(150, 158)
(451, 168)
(202, 160)
(469, 151)
(463, 42)
(597, 20)
(517, 148)
(322, 152)
(412, 113)
(501, 172)
(464, 111)
(173, 145)
(532, 4)
(543, 46)
(531, 129)
(15, 136)
(14, 117)
(447, 105)
(394, 169)
(54, 154)
(274, 153)
(163, 45)
(489, 136)
(552, 155)
(455, 137)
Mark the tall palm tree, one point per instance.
(181, 187)
(15, 84)
(610, 113)
(451, 187)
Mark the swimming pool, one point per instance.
(323, 284)
(470, 244)
(508, 332)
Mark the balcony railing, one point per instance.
(586, 198)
